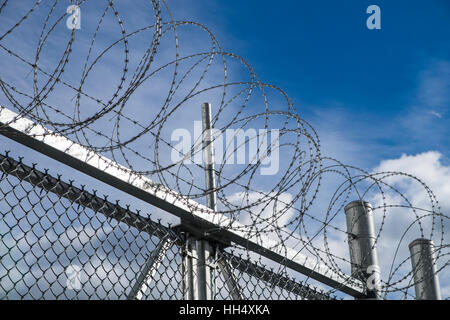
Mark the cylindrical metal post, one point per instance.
(204, 251)
(205, 270)
(188, 270)
(361, 241)
(208, 154)
(426, 281)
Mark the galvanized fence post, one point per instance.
(208, 270)
(362, 245)
(200, 254)
(426, 281)
(208, 146)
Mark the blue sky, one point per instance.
(379, 99)
(373, 95)
(390, 85)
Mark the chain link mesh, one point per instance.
(53, 232)
(255, 282)
(59, 241)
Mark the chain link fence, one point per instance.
(254, 281)
(59, 241)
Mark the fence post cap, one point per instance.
(421, 241)
(357, 203)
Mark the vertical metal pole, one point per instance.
(198, 262)
(361, 241)
(188, 270)
(211, 202)
(206, 270)
(208, 146)
(198, 270)
(201, 270)
(426, 281)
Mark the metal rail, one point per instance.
(167, 235)
(230, 280)
(82, 197)
(275, 279)
(150, 268)
(78, 157)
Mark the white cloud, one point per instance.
(395, 235)
(395, 223)
(425, 118)
(436, 114)
(435, 84)
(426, 166)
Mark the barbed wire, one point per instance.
(106, 244)
(130, 76)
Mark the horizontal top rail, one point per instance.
(62, 149)
(84, 198)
